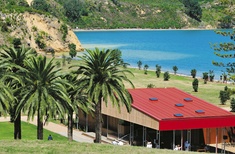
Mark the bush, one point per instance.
(232, 106)
(175, 69)
(166, 76)
(205, 77)
(158, 70)
(16, 42)
(40, 5)
(146, 69)
(64, 30)
(193, 73)
(40, 43)
(224, 95)
(151, 85)
(195, 85)
(72, 50)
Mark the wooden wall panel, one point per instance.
(135, 116)
(210, 135)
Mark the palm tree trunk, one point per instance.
(17, 127)
(70, 125)
(98, 122)
(40, 126)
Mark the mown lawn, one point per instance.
(208, 92)
(62, 147)
(29, 132)
(60, 144)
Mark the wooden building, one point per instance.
(166, 117)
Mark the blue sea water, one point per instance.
(186, 49)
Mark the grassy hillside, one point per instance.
(126, 13)
(113, 14)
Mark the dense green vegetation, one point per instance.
(132, 13)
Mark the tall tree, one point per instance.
(158, 70)
(72, 50)
(13, 60)
(226, 20)
(45, 92)
(146, 69)
(40, 5)
(193, 9)
(75, 9)
(6, 97)
(226, 50)
(193, 73)
(195, 84)
(175, 69)
(103, 77)
(78, 99)
(139, 63)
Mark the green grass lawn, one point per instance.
(29, 132)
(60, 144)
(208, 92)
(59, 147)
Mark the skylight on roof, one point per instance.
(179, 105)
(200, 111)
(178, 115)
(153, 99)
(188, 99)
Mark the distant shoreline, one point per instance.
(135, 29)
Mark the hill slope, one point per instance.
(48, 23)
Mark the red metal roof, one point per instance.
(162, 107)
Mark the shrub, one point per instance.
(158, 70)
(175, 69)
(195, 85)
(64, 30)
(16, 42)
(232, 106)
(205, 77)
(146, 69)
(40, 43)
(139, 63)
(151, 85)
(72, 50)
(58, 64)
(224, 95)
(166, 76)
(193, 73)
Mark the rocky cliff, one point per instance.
(33, 28)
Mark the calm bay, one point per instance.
(186, 49)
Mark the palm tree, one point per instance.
(45, 92)
(78, 99)
(12, 60)
(103, 76)
(6, 97)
